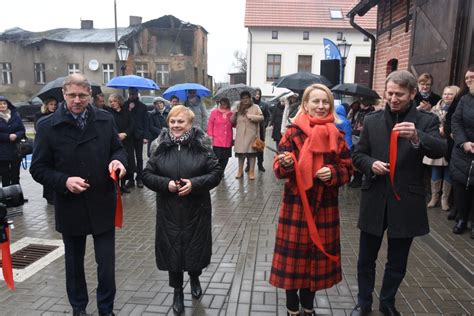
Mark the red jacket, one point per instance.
(219, 127)
(297, 262)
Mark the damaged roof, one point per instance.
(68, 35)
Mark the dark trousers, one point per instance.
(223, 163)
(138, 147)
(306, 298)
(129, 148)
(176, 278)
(463, 201)
(10, 172)
(76, 287)
(395, 269)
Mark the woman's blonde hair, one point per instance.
(318, 86)
(117, 97)
(455, 89)
(177, 110)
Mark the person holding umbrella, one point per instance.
(140, 133)
(157, 120)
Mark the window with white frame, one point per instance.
(7, 77)
(142, 70)
(107, 72)
(163, 74)
(40, 73)
(73, 69)
(336, 14)
(273, 67)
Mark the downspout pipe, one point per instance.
(372, 48)
(249, 64)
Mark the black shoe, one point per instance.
(472, 230)
(140, 184)
(178, 301)
(50, 202)
(196, 290)
(260, 168)
(452, 214)
(106, 314)
(124, 189)
(388, 310)
(361, 310)
(305, 313)
(288, 314)
(247, 168)
(79, 313)
(130, 184)
(460, 227)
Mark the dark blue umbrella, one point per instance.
(132, 81)
(181, 90)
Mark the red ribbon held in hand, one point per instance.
(393, 160)
(118, 207)
(7, 268)
(313, 230)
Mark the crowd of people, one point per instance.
(384, 149)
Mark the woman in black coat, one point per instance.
(461, 165)
(11, 131)
(181, 171)
(125, 126)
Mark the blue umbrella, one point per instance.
(181, 90)
(132, 81)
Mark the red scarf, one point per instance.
(118, 207)
(322, 138)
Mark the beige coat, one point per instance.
(247, 128)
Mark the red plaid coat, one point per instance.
(297, 263)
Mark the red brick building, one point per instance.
(421, 36)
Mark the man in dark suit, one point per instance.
(389, 154)
(75, 150)
(140, 133)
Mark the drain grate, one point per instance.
(30, 254)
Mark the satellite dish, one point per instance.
(93, 64)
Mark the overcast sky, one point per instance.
(226, 27)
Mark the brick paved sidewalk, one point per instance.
(236, 282)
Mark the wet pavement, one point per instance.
(438, 282)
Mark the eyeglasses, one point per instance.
(80, 96)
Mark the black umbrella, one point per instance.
(356, 90)
(232, 92)
(55, 89)
(300, 80)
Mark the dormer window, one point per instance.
(336, 14)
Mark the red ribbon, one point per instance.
(393, 160)
(7, 268)
(313, 230)
(118, 207)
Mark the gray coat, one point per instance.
(407, 217)
(463, 131)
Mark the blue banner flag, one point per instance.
(330, 50)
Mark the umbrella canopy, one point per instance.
(132, 81)
(55, 89)
(356, 90)
(300, 80)
(232, 92)
(181, 90)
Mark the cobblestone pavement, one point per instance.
(236, 282)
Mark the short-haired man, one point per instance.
(140, 133)
(76, 149)
(99, 101)
(390, 153)
(174, 100)
(200, 112)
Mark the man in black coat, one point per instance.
(75, 150)
(397, 206)
(140, 118)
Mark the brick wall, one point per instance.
(396, 46)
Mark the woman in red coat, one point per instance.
(315, 160)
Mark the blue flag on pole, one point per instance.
(330, 50)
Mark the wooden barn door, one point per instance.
(435, 40)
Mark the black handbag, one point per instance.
(24, 147)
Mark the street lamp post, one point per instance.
(122, 53)
(344, 48)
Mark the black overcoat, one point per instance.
(183, 224)
(63, 150)
(462, 122)
(407, 217)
